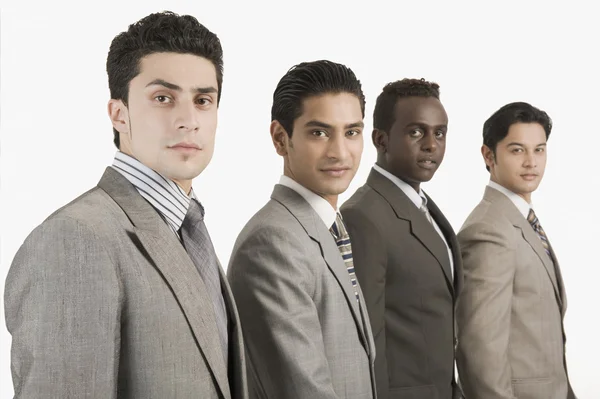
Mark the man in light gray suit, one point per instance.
(119, 294)
(305, 325)
(511, 342)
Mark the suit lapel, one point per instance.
(420, 227)
(316, 229)
(528, 233)
(163, 250)
(236, 344)
(450, 235)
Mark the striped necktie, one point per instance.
(537, 227)
(342, 239)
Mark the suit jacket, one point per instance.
(103, 301)
(511, 340)
(305, 333)
(404, 270)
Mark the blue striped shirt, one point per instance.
(170, 201)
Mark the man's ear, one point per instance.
(380, 140)
(488, 155)
(119, 116)
(280, 138)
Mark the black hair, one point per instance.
(495, 129)
(384, 115)
(158, 32)
(309, 79)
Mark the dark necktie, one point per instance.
(199, 247)
(342, 239)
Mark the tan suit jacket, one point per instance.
(510, 311)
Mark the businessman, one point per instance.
(119, 294)
(510, 312)
(305, 325)
(405, 251)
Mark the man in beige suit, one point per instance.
(510, 312)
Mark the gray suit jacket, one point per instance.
(404, 270)
(102, 301)
(305, 334)
(510, 311)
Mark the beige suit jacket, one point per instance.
(510, 311)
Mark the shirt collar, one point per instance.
(417, 198)
(522, 205)
(318, 203)
(162, 193)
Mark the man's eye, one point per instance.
(163, 99)
(203, 101)
(319, 133)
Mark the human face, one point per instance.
(324, 151)
(170, 121)
(519, 160)
(415, 146)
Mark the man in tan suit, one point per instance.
(510, 311)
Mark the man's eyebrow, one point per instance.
(173, 86)
(316, 123)
(161, 82)
(205, 90)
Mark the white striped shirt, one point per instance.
(170, 201)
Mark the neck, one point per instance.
(332, 199)
(186, 185)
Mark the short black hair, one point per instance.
(495, 129)
(384, 112)
(157, 33)
(309, 79)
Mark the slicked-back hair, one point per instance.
(309, 79)
(158, 33)
(384, 112)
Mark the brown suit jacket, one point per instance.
(510, 311)
(403, 268)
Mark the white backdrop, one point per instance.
(57, 139)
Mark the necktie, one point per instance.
(342, 239)
(425, 211)
(537, 227)
(199, 247)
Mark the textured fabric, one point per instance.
(511, 308)
(198, 245)
(102, 301)
(342, 239)
(303, 328)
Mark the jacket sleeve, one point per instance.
(273, 282)
(484, 312)
(62, 305)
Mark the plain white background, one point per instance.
(57, 138)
